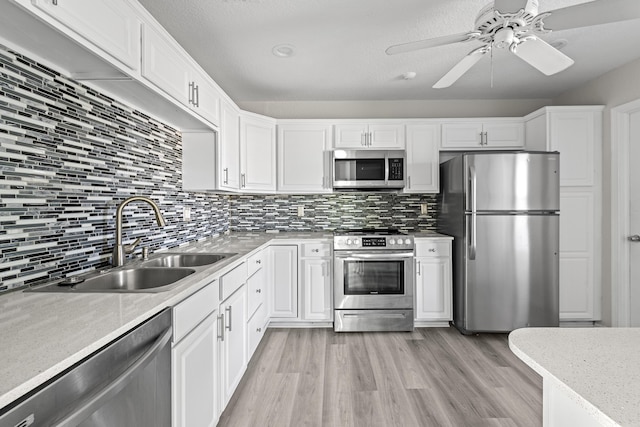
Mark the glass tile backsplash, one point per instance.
(70, 154)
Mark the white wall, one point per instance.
(395, 109)
(617, 87)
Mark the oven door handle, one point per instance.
(353, 256)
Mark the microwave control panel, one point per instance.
(396, 169)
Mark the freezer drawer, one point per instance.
(509, 277)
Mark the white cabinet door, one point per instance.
(573, 135)
(500, 134)
(195, 377)
(164, 65)
(205, 97)
(302, 159)
(317, 289)
(284, 290)
(386, 136)
(257, 154)
(111, 25)
(229, 148)
(423, 167)
(433, 289)
(486, 134)
(369, 135)
(234, 342)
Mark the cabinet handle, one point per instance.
(259, 330)
(221, 330)
(418, 268)
(191, 84)
(244, 180)
(432, 250)
(363, 139)
(228, 310)
(315, 250)
(54, 2)
(370, 139)
(258, 291)
(409, 181)
(197, 96)
(226, 175)
(258, 261)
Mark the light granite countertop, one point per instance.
(598, 368)
(43, 334)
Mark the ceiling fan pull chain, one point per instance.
(491, 68)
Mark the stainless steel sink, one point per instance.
(122, 280)
(185, 259)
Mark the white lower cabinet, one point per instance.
(317, 282)
(232, 336)
(194, 360)
(284, 281)
(433, 280)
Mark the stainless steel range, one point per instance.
(373, 280)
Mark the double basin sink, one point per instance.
(156, 274)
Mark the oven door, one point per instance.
(373, 280)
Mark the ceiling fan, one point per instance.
(516, 25)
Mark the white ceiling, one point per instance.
(340, 49)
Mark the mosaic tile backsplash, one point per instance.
(332, 211)
(68, 156)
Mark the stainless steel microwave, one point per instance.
(369, 169)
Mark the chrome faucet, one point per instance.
(120, 250)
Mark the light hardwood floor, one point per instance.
(429, 377)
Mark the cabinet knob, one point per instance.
(258, 261)
(432, 250)
(315, 250)
(258, 291)
(259, 330)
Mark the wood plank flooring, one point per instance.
(429, 377)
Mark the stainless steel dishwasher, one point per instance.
(126, 383)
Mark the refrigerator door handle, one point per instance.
(474, 207)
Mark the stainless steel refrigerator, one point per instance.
(503, 211)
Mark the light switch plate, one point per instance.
(186, 213)
(424, 209)
(300, 210)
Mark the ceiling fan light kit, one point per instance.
(516, 25)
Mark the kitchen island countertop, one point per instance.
(596, 368)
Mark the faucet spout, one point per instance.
(120, 250)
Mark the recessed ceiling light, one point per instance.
(283, 50)
(559, 44)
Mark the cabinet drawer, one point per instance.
(256, 290)
(316, 250)
(193, 310)
(256, 328)
(231, 281)
(255, 262)
(433, 249)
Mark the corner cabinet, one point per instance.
(284, 282)
(303, 157)
(369, 135)
(423, 168)
(257, 153)
(485, 134)
(434, 289)
(576, 132)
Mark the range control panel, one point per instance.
(373, 242)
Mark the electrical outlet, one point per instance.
(300, 210)
(423, 209)
(186, 213)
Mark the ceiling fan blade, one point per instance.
(541, 55)
(424, 44)
(592, 13)
(461, 67)
(509, 6)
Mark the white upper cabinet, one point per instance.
(229, 148)
(303, 164)
(167, 66)
(111, 25)
(257, 153)
(369, 135)
(423, 168)
(483, 134)
(164, 64)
